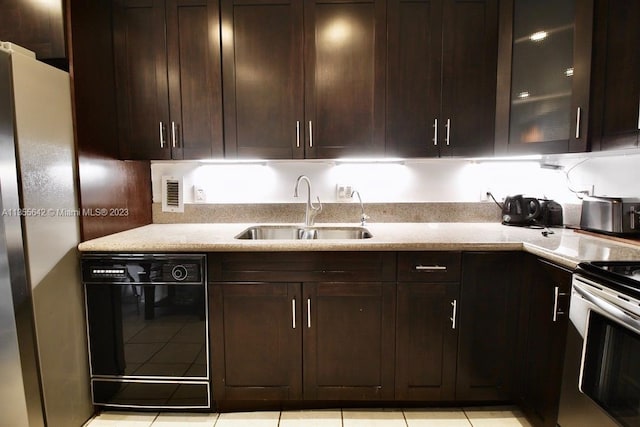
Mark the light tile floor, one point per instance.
(455, 417)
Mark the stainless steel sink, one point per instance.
(297, 232)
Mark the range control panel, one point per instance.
(148, 268)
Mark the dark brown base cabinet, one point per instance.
(426, 330)
(299, 329)
(489, 308)
(321, 340)
(546, 311)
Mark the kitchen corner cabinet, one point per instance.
(488, 325)
(544, 70)
(426, 329)
(616, 75)
(442, 59)
(303, 79)
(546, 311)
(168, 82)
(293, 326)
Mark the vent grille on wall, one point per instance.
(172, 194)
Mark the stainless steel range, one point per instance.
(601, 380)
(148, 331)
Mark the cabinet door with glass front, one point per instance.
(549, 59)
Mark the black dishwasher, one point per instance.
(147, 326)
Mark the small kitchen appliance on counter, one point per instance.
(618, 216)
(519, 210)
(529, 211)
(550, 213)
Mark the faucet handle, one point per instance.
(317, 209)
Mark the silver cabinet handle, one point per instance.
(174, 134)
(634, 214)
(448, 127)
(309, 313)
(310, 134)
(578, 117)
(435, 131)
(556, 295)
(298, 134)
(430, 268)
(638, 114)
(162, 141)
(293, 313)
(454, 305)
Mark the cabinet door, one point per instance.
(141, 79)
(348, 341)
(344, 78)
(195, 93)
(414, 53)
(546, 330)
(262, 58)
(426, 341)
(489, 307)
(256, 341)
(616, 75)
(469, 61)
(37, 26)
(549, 65)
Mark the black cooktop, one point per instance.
(623, 276)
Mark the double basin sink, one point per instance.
(298, 232)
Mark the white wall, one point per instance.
(419, 180)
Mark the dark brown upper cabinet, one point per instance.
(168, 83)
(262, 59)
(303, 79)
(544, 73)
(441, 77)
(615, 90)
(35, 25)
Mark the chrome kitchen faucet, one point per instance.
(311, 211)
(363, 217)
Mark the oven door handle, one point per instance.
(609, 310)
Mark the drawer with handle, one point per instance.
(429, 266)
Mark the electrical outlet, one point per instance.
(199, 195)
(343, 192)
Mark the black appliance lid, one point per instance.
(622, 276)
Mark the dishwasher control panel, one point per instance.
(146, 268)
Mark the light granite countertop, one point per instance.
(565, 247)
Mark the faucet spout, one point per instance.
(311, 210)
(363, 217)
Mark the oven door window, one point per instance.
(611, 369)
(147, 330)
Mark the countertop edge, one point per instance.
(564, 247)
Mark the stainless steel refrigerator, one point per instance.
(43, 364)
